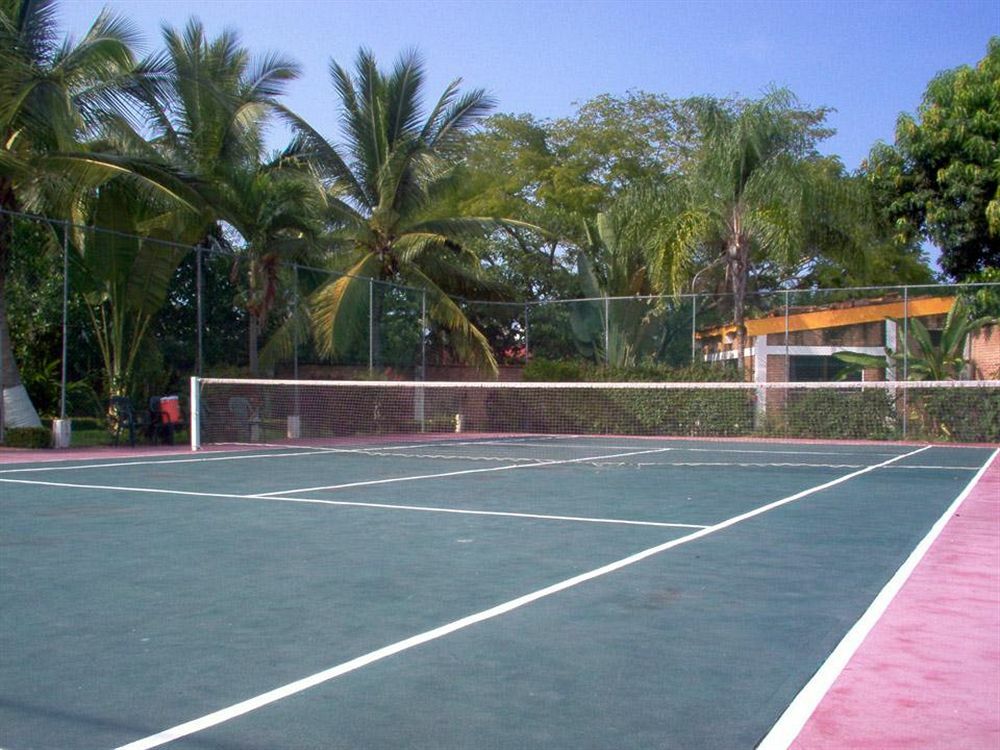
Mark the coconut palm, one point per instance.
(752, 195)
(274, 208)
(208, 118)
(53, 95)
(389, 181)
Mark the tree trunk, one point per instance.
(16, 409)
(253, 334)
(375, 327)
(737, 263)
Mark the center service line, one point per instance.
(292, 688)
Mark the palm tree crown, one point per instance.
(387, 185)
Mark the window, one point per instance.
(817, 369)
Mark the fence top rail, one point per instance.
(604, 385)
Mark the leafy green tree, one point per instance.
(124, 274)
(390, 204)
(940, 181)
(559, 174)
(53, 95)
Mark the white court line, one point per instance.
(412, 478)
(298, 686)
(794, 718)
(354, 504)
(159, 461)
(775, 464)
(683, 448)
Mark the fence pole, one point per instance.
(199, 312)
(607, 331)
(694, 327)
(65, 319)
(527, 351)
(371, 325)
(906, 357)
(3, 411)
(423, 335)
(295, 330)
(788, 363)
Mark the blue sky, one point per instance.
(867, 60)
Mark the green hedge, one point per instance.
(574, 371)
(27, 437)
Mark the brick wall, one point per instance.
(984, 350)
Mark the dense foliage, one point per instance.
(941, 179)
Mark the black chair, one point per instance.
(122, 419)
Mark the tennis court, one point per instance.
(528, 591)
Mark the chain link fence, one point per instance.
(137, 316)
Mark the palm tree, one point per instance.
(274, 208)
(208, 118)
(389, 183)
(752, 194)
(53, 95)
(617, 262)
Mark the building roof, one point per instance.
(849, 313)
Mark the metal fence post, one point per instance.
(527, 351)
(65, 319)
(371, 325)
(607, 331)
(199, 312)
(694, 327)
(423, 334)
(906, 357)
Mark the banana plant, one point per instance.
(123, 274)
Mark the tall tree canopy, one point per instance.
(940, 181)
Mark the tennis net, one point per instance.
(317, 412)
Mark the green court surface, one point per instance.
(556, 593)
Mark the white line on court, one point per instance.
(680, 447)
(490, 469)
(794, 718)
(155, 462)
(354, 504)
(298, 686)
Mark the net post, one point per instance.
(195, 413)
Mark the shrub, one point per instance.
(27, 437)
